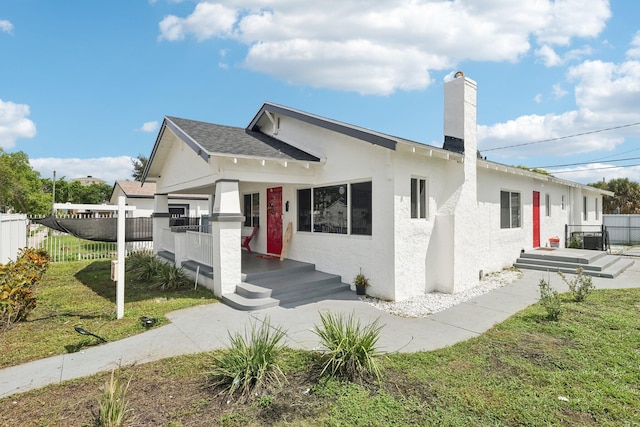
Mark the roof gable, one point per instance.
(363, 134)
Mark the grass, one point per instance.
(581, 369)
(82, 294)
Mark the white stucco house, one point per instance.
(413, 218)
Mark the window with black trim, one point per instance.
(547, 204)
(337, 209)
(252, 210)
(510, 209)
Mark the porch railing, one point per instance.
(167, 241)
(594, 237)
(200, 247)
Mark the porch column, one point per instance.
(160, 219)
(226, 222)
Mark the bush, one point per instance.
(18, 281)
(170, 277)
(580, 286)
(250, 362)
(351, 348)
(145, 267)
(550, 300)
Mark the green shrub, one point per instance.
(113, 404)
(250, 362)
(143, 265)
(350, 347)
(580, 286)
(550, 300)
(18, 281)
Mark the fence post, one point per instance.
(121, 247)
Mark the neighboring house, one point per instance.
(413, 218)
(88, 180)
(142, 197)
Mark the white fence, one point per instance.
(13, 236)
(623, 229)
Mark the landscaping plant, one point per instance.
(250, 363)
(350, 347)
(550, 300)
(114, 404)
(580, 286)
(18, 281)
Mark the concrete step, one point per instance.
(278, 272)
(305, 296)
(600, 264)
(574, 256)
(613, 269)
(249, 290)
(248, 304)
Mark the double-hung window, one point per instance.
(419, 198)
(252, 210)
(510, 209)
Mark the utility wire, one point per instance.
(562, 137)
(586, 163)
(594, 169)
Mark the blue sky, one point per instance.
(84, 85)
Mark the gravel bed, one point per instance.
(433, 302)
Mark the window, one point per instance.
(418, 198)
(563, 203)
(597, 213)
(304, 209)
(361, 208)
(338, 209)
(252, 210)
(509, 209)
(584, 207)
(330, 209)
(547, 204)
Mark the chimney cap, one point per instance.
(458, 74)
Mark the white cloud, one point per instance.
(538, 98)
(14, 123)
(394, 43)
(549, 56)
(6, 26)
(150, 126)
(634, 50)
(108, 169)
(559, 91)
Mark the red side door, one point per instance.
(274, 220)
(536, 219)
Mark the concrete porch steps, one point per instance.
(593, 263)
(285, 287)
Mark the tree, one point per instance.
(20, 185)
(626, 198)
(139, 164)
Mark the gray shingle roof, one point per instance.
(219, 139)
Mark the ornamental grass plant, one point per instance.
(350, 346)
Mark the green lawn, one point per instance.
(82, 294)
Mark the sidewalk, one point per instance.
(206, 328)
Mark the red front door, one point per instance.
(536, 219)
(274, 220)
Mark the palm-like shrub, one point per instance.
(170, 277)
(350, 347)
(250, 363)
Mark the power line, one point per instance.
(586, 163)
(562, 137)
(594, 169)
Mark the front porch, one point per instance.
(264, 282)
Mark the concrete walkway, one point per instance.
(207, 327)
